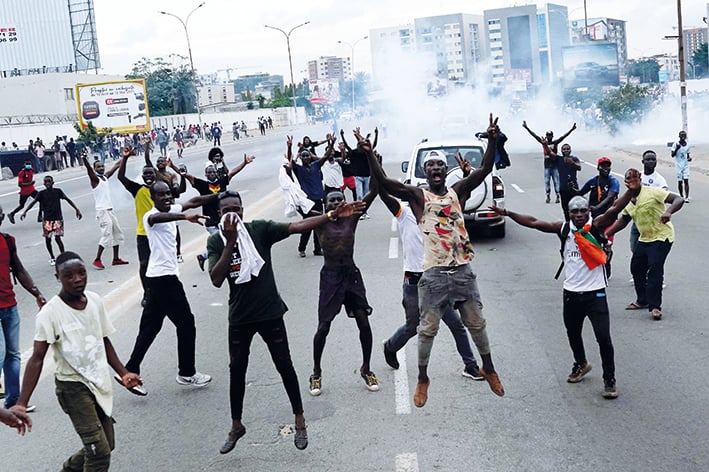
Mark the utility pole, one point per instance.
(682, 78)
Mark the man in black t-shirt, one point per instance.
(50, 206)
(255, 306)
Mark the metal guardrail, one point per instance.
(13, 120)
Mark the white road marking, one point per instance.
(407, 462)
(401, 388)
(517, 188)
(393, 225)
(393, 248)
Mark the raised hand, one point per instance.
(346, 209)
(196, 218)
(248, 159)
(493, 131)
(289, 141)
(127, 152)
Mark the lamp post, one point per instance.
(680, 59)
(352, 47)
(290, 62)
(189, 50)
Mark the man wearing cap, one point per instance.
(647, 210)
(584, 281)
(551, 170)
(603, 190)
(447, 280)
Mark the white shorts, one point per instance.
(111, 232)
(682, 170)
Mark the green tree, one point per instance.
(647, 70)
(170, 86)
(261, 100)
(280, 99)
(626, 104)
(92, 137)
(700, 61)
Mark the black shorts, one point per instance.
(342, 286)
(24, 198)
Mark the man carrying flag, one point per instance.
(584, 281)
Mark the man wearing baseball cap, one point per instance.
(603, 190)
(584, 280)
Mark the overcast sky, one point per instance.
(231, 33)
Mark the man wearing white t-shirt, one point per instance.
(680, 152)
(166, 296)
(584, 281)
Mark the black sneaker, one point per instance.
(370, 381)
(390, 357)
(200, 261)
(472, 372)
(315, 385)
(578, 371)
(301, 253)
(609, 390)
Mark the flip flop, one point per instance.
(635, 306)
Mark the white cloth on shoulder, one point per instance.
(251, 261)
(293, 195)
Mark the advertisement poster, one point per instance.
(590, 65)
(120, 105)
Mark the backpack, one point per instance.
(564, 233)
(13, 252)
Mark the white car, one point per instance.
(477, 215)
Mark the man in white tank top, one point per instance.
(111, 232)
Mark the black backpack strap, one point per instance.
(563, 234)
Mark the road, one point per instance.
(658, 423)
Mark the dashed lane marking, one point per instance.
(407, 462)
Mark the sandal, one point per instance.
(301, 437)
(635, 306)
(231, 440)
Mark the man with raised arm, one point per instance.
(447, 279)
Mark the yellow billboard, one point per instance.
(121, 105)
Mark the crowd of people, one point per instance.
(438, 283)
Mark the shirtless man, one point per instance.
(447, 279)
(341, 284)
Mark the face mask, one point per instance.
(28, 167)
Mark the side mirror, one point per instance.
(405, 166)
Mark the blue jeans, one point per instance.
(408, 330)
(211, 230)
(361, 186)
(648, 268)
(551, 173)
(10, 353)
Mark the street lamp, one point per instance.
(189, 50)
(290, 62)
(352, 46)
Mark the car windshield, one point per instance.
(472, 154)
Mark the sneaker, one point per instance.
(686, 200)
(52, 262)
(136, 390)
(11, 217)
(301, 437)
(97, 263)
(548, 200)
(317, 253)
(390, 357)
(30, 408)
(200, 261)
(315, 385)
(609, 390)
(578, 371)
(371, 381)
(197, 380)
(493, 380)
(301, 253)
(557, 198)
(119, 261)
(180, 259)
(472, 372)
(231, 440)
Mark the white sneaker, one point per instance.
(197, 380)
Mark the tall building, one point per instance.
(388, 44)
(454, 42)
(250, 83)
(47, 36)
(693, 39)
(525, 43)
(330, 67)
(602, 30)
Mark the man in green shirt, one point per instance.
(647, 210)
(241, 254)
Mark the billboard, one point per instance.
(590, 65)
(35, 35)
(324, 91)
(121, 105)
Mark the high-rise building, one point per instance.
(525, 42)
(693, 39)
(47, 36)
(330, 67)
(387, 45)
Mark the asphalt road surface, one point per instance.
(543, 423)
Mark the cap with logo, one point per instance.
(434, 156)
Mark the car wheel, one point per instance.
(498, 231)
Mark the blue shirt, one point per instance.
(567, 173)
(310, 180)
